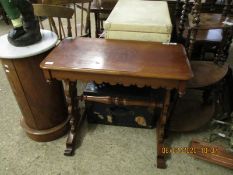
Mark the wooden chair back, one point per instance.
(227, 34)
(84, 5)
(209, 28)
(197, 4)
(52, 12)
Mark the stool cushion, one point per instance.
(145, 19)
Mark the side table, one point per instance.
(42, 105)
(86, 59)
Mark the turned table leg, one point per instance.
(161, 163)
(74, 112)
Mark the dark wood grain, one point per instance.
(119, 62)
(208, 30)
(212, 153)
(209, 24)
(201, 69)
(120, 101)
(18, 91)
(114, 57)
(43, 105)
(190, 113)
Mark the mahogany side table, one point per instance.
(42, 105)
(119, 62)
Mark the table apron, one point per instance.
(117, 79)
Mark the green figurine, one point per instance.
(26, 31)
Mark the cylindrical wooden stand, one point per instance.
(42, 104)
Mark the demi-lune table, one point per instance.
(119, 62)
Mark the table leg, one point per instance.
(74, 112)
(161, 163)
(174, 99)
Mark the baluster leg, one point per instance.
(74, 112)
(161, 163)
(182, 20)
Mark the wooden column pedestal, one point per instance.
(42, 104)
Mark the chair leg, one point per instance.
(96, 24)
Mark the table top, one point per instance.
(120, 58)
(8, 51)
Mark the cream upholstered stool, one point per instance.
(42, 104)
(139, 20)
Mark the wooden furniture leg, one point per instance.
(96, 24)
(74, 112)
(88, 22)
(161, 163)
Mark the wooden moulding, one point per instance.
(42, 104)
(47, 134)
(212, 153)
(121, 101)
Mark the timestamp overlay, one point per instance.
(189, 150)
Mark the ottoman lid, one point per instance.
(139, 16)
(8, 51)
